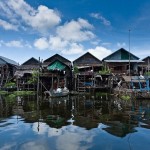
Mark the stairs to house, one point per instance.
(81, 81)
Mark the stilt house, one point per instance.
(57, 72)
(122, 62)
(24, 74)
(86, 68)
(7, 69)
(145, 66)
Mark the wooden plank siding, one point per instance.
(7, 70)
(120, 60)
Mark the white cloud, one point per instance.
(121, 45)
(73, 49)
(100, 52)
(40, 128)
(84, 23)
(8, 146)
(28, 45)
(35, 145)
(56, 43)
(14, 43)
(100, 17)
(41, 19)
(95, 42)
(76, 31)
(8, 26)
(77, 135)
(41, 43)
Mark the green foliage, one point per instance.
(99, 94)
(10, 85)
(105, 70)
(76, 70)
(34, 77)
(147, 73)
(23, 93)
(11, 98)
(125, 97)
(3, 92)
(17, 93)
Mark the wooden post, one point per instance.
(52, 82)
(38, 79)
(75, 82)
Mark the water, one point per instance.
(85, 122)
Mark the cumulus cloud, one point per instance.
(56, 43)
(7, 25)
(68, 37)
(53, 43)
(78, 135)
(101, 18)
(76, 31)
(43, 19)
(15, 43)
(41, 43)
(73, 49)
(40, 19)
(100, 52)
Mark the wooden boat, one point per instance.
(57, 93)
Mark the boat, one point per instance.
(59, 92)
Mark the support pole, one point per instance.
(129, 55)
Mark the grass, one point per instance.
(125, 97)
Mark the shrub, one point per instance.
(10, 85)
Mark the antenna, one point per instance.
(129, 54)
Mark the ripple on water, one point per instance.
(6, 124)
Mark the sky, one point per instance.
(70, 28)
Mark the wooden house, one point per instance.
(122, 62)
(145, 66)
(25, 72)
(7, 69)
(87, 67)
(57, 72)
(87, 63)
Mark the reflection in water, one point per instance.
(77, 122)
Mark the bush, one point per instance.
(23, 93)
(105, 70)
(3, 92)
(147, 74)
(125, 97)
(10, 85)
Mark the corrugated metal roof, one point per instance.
(57, 65)
(9, 61)
(123, 61)
(121, 54)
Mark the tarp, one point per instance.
(56, 66)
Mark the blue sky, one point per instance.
(42, 28)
